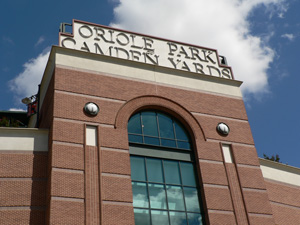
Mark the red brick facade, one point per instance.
(75, 183)
(226, 196)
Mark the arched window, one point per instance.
(164, 184)
(156, 128)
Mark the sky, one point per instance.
(259, 38)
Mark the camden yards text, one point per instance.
(129, 46)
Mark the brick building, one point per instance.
(139, 130)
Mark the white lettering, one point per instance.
(114, 43)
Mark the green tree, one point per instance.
(275, 158)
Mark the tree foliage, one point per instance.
(9, 122)
(275, 158)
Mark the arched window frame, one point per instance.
(145, 151)
(158, 129)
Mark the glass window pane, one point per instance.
(137, 165)
(134, 124)
(154, 170)
(171, 172)
(141, 217)
(180, 132)
(149, 123)
(159, 217)
(178, 218)
(194, 219)
(135, 138)
(166, 129)
(191, 199)
(140, 195)
(151, 141)
(168, 143)
(184, 145)
(175, 198)
(157, 195)
(187, 174)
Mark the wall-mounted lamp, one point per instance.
(29, 100)
(91, 109)
(223, 129)
(32, 104)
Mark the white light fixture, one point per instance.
(91, 108)
(26, 100)
(29, 100)
(223, 129)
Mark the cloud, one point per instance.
(218, 24)
(17, 109)
(8, 40)
(26, 83)
(290, 37)
(40, 41)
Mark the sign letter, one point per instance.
(172, 48)
(85, 31)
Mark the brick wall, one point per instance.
(233, 193)
(23, 178)
(285, 202)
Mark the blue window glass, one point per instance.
(172, 174)
(141, 217)
(135, 138)
(191, 199)
(168, 143)
(140, 195)
(166, 129)
(151, 141)
(169, 201)
(165, 190)
(194, 218)
(134, 124)
(138, 171)
(184, 145)
(154, 170)
(158, 129)
(187, 174)
(178, 218)
(180, 132)
(159, 217)
(175, 198)
(157, 195)
(149, 124)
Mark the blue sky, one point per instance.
(260, 38)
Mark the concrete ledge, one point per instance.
(23, 139)
(280, 172)
(97, 63)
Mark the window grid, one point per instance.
(165, 184)
(159, 192)
(159, 135)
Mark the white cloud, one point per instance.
(40, 41)
(290, 37)
(26, 83)
(218, 24)
(8, 40)
(17, 109)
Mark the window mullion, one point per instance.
(142, 125)
(165, 186)
(183, 194)
(158, 129)
(174, 130)
(148, 193)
